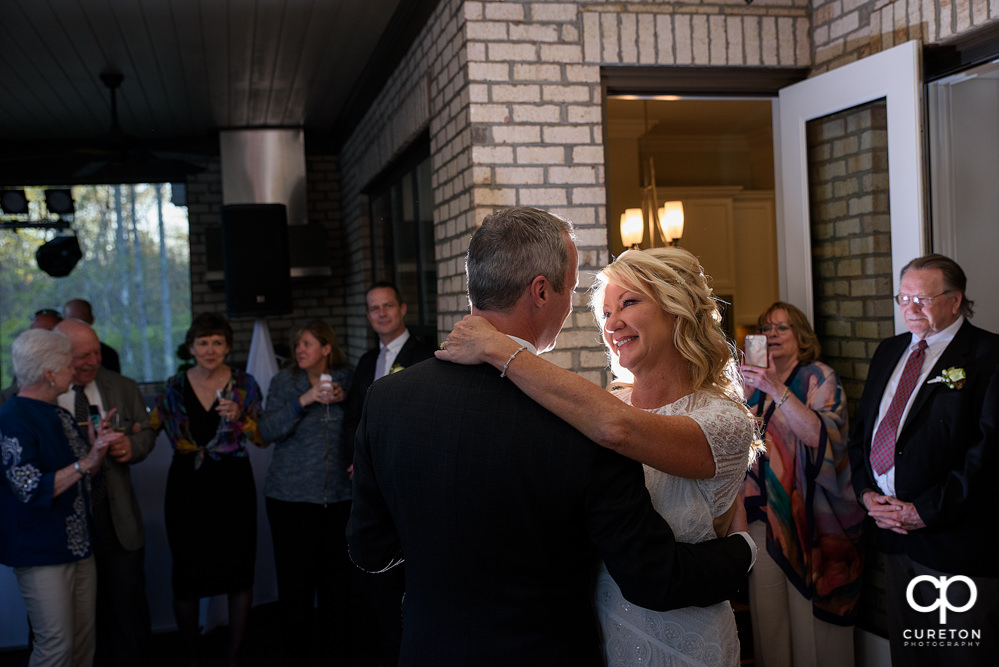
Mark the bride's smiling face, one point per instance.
(637, 330)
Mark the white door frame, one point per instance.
(895, 74)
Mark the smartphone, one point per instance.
(756, 350)
(95, 417)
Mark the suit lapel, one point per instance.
(404, 358)
(102, 388)
(956, 354)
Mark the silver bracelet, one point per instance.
(787, 395)
(80, 469)
(507, 364)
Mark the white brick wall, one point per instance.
(510, 92)
(847, 30)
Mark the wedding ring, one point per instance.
(444, 344)
(750, 380)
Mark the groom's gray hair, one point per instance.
(512, 248)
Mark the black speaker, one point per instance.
(255, 260)
(58, 257)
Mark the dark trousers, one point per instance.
(919, 638)
(380, 613)
(123, 624)
(314, 576)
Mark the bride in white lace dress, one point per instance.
(692, 635)
(680, 413)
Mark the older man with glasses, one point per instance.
(924, 459)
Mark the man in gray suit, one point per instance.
(123, 624)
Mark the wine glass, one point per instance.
(224, 394)
(326, 386)
(117, 422)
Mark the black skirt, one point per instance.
(211, 518)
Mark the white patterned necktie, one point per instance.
(380, 365)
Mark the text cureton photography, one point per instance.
(942, 636)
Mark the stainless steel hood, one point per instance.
(265, 167)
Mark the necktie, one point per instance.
(883, 447)
(380, 370)
(81, 408)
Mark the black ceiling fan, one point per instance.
(117, 157)
(113, 157)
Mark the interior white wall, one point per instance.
(964, 141)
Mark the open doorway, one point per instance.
(963, 124)
(716, 157)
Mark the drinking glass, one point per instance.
(326, 385)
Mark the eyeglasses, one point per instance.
(920, 301)
(767, 328)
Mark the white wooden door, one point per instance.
(894, 75)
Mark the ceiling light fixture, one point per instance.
(59, 202)
(13, 202)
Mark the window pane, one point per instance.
(402, 236)
(135, 272)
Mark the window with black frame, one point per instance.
(402, 236)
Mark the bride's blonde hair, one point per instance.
(673, 278)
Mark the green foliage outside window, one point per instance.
(135, 272)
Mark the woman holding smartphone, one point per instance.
(804, 588)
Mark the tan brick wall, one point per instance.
(315, 298)
(510, 93)
(848, 30)
(851, 239)
(767, 32)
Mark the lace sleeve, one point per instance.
(729, 431)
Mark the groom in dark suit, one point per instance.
(501, 510)
(378, 616)
(923, 451)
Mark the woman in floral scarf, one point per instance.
(209, 413)
(804, 588)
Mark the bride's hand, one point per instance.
(466, 344)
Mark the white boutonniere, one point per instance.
(953, 377)
(396, 368)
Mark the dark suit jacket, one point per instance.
(945, 455)
(503, 512)
(109, 358)
(413, 351)
(123, 393)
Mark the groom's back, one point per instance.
(491, 496)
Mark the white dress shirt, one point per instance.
(391, 350)
(67, 400)
(936, 344)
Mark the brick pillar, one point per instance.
(851, 239)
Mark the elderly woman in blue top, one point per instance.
(307, 490)
(44, 509)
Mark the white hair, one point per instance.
(36, 351)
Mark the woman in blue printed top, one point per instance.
(307, 491)
(44, 502)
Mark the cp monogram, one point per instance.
(943, 602)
